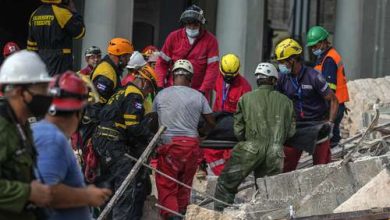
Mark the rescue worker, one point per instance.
(313, 99)
(52, 28)
(230, 86)
(10, 48)
(136, 62)
(263, 121)
(151, 55)
(329, 63)
(194, 43)
(179, 108)
(24, 81)
(106, 78)
(56, 161)
(120, 131)
(93, 56)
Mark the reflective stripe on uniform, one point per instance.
(325, 87)
(131, 123)
(127, 116)
(32, 43)
(212, 59)
(165, 57)
(216, 163)
(32, 48)
(80, 35)
(332, 86)
(66, 51)
(119, 125)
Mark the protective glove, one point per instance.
(331, 126)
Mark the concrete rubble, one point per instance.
(375, 194)
(311, 191)
(364, 93)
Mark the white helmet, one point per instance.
(24, 67)
(183, 64)
(264, 70)
(136, 61)
(154, 57)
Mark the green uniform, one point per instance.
(16, 167)
(263, 121)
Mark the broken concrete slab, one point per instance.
(375, 194)
(317, 190)
(195, 212)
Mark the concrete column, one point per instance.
(349, 34)
(239, 30)
(105, 20)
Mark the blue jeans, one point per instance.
(336, 129)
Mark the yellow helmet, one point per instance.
(287, 48)
(230, 64)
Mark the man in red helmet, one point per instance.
(56, 161)
(151, 54)
(10, 48)
(193, 43)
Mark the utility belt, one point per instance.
(56, 51)
(109, 133)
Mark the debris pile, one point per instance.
(364, 93)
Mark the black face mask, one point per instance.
(39, 104)
(228, 79)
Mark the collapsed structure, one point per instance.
(358, 189)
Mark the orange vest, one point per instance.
(341, 83)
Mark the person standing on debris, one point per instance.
(194, 43)
(120, 131)
(263, 121)
(56, 161)
(93, 56)
(179, 108)
(312, 97)
(52, 28)
(230, 86)
(24, 80)
(329, 63)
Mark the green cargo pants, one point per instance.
(246, 157)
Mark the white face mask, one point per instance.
(192, 32)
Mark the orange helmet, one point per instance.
(148, 73)
(119, 46)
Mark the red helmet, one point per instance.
(69, 92)
(10, 48)
(149, 50)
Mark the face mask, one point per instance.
(192, 32)
(318, 52)
(228, 79)
(283, 69)
(39, 104)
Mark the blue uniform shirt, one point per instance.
(57, 164)
(307, 91)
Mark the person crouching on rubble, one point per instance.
(263, 121)
(121, 131)
(179, 109)
(313, 100)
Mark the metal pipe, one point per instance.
(180, 183)
(169, 210)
